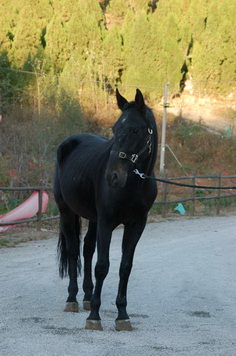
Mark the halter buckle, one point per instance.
(122, 155)
(134, 158)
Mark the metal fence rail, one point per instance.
(164, 197)
(193, 198)
(39, 219)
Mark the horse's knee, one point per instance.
(121, 301)
(125, 269)
(88, 250)
(101, 269)
(72, 248)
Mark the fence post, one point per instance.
(164, 197)
(193, 193)
(163, 134)
(39, 213)
(219, 194)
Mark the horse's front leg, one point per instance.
(104, 232)
(132, 234)
(89, 248)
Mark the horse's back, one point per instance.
(80, 142)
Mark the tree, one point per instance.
(112, 48)
(214, 52)
(72, 30)
(30, 30)
(9, 15)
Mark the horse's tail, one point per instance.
(62, 251)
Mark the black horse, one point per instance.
(95, 179)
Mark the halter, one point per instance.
(135, 156)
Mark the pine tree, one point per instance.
(29, 32)
(73, 31)
(112, 62)
(83, 69)
(214, 63)
(8, 18)
(138, 45)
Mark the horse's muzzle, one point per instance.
(115, 179)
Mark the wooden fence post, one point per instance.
(218, 196)
(164, 197)
(39, 213)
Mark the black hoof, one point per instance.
(123, 325)
(93, 325)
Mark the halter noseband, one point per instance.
(135, 156)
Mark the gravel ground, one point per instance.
(181, 296)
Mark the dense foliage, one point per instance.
(84, 48)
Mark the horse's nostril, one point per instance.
(114, 178)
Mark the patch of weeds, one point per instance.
(156, 209)
(227, 202)
(6, 243)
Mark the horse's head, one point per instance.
(132, 139)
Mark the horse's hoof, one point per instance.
(93, 325)
(86, 304)
(72, 307)
(123, 325)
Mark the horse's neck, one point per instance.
(146, 166)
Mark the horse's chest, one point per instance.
(124, 210)
(133, 203)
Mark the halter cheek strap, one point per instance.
(135, 156)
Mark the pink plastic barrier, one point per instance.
(25, 210)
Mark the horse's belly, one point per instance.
(89, 214)
(81, 200)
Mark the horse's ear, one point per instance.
(121, 101)
(140, 101)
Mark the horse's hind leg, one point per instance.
(88, 251)
(69, 250)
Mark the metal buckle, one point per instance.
(134, 158)
(122, 155)
(149, 143)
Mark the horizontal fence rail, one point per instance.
(26, 188)
(194, 191)
(163, 187)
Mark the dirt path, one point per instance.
(181, 298)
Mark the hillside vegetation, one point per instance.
(83, 49)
